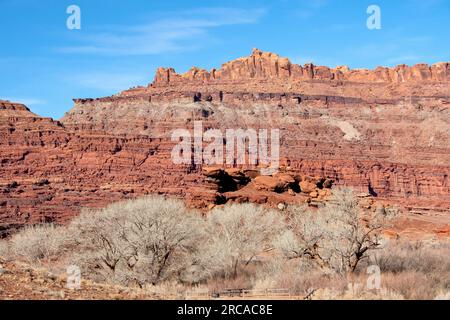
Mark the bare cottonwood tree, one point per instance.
(304, 236)
(238, 234)
(140, 241)
(338, 237)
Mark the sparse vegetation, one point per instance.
(158, 244)
(143, 241)
(238, 235)
(337, 237)
(39, 243)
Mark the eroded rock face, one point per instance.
(384, 132)
(267, 65)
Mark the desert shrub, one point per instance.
(296, 275)
(401, 256)
(337, 237)
(301, 281)
(411, 285)
(158, 244)
(38, 243)
(137, 242)
(417, 270)
(238, 234)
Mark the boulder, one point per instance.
(212, 172)
(307, 186)
(267, 183)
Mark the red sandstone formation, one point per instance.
(266, 65)
(384, 132)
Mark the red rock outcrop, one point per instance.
(266, 65)
(384, 132)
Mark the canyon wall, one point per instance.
(384, 132)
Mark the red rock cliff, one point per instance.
(383, 132)
(266, 65)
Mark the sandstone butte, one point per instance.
(384, 132)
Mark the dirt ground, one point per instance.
(20, 282)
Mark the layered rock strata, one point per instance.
(384, 132)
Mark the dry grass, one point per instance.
(350, 294)
(415, 270)
(160, 246)
(397, 257)
(408, 271)
(218, 284)
(410, 284)
(443, 295)
(298, 277)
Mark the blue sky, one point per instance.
(121, 43)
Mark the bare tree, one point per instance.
(337, 237)
(238, 234)
(304, 236)
(141, 241)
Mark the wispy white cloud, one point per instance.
(178, 32)
(310, 8)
